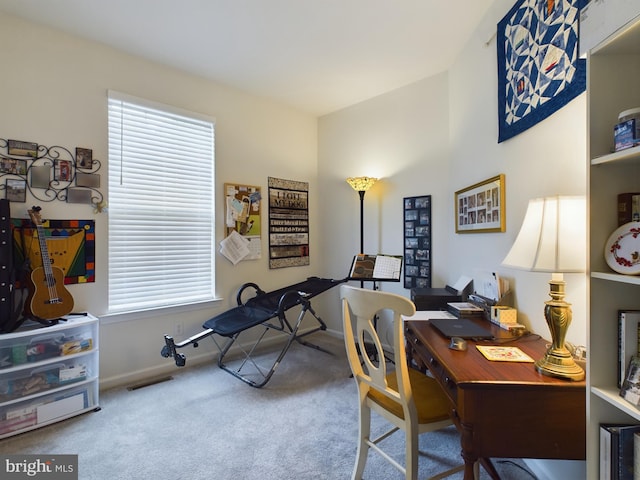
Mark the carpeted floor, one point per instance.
(206, 424)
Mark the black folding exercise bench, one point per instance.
(266, 310)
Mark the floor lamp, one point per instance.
(361, 185)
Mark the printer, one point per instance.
(437, 298)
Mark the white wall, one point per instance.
(54, 92)
(435, 137)
(438, 136)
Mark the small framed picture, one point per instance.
(84, 157)
(14, 166)
(63, 170)
(40, 176)
(22, 149)
(16, 190)
(481, 207)
(88, 180)
(78, 195)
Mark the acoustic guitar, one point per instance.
(48, 298)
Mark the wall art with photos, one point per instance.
(288, 223)
(480, 207)
(49, 173)
(417, 242)
(539, 69)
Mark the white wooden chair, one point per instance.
(410, 400)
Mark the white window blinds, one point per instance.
(161, 194)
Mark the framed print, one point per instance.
(14, 166)
(16, 190)
(78, 195)
(417, 241)
(88, 180)
(63, 170)
(84, 157)
(22, 149)
(480, 208)
(40, 176)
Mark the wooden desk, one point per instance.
(503, 409)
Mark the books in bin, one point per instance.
(628, 340)
(617, 451)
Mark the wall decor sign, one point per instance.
(480, 207)
(417, 242)
(288, 223)
(538, 66)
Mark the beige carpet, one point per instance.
(206, 424)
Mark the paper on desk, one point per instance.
(461, 283)
(428, 315)
(235, 247)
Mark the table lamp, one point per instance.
(553, 239)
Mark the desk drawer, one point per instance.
(423, 356)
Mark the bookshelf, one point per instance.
(613, 72)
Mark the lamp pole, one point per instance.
(361, 193)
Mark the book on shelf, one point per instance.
(630, 389)
(617, 451)
(628, 340)
(376, 267)
(628, 207)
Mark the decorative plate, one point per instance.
(622, 250)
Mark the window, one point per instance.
(161, 195)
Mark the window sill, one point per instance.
(160, 311)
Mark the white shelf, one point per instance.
(627, 155)
(612, 396)
(613, 69)
(616, 277)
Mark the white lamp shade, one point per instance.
(552, 237)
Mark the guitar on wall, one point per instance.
(48, 298)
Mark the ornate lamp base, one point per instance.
(558, 361)
(560, 364)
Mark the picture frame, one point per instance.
(13, 166)
(40, 176)
(22, 149)
(16, 190)
(84, 158)
(62, 171)
(417, 241)
(480, 208)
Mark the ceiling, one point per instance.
(315, 55)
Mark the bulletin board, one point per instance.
(243, 214)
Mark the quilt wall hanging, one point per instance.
(538, 66)
(288, 223)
